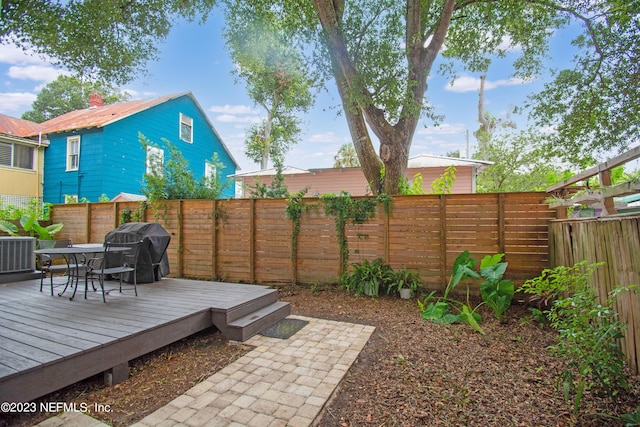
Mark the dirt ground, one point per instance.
(411, 372)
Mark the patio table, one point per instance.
(71, 255)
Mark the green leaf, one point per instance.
(435, 310)
(494, 272)
(27, 221)
(447, 319)
(8, 227)
(472, 318)
(490, 260)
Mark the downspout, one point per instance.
(39, 176)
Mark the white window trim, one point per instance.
(188, 121)
(154, 154)
(70, 141)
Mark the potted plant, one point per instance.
(407, 282)
(369, 277)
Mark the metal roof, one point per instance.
(100, 116)
(18, 127)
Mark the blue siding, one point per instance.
(112, 159)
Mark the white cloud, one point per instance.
(469, 84)
(233, 109)
(10, 103)
(11, 54)
(39, 73)
(443, 129)
(231, 118)
(135, 94)
(328, 137)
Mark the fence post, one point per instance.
(443, 242)
(214, 241)
(294, 256)
(87, 231)
(115, 215)
(252, 240)
(179, 232)
(501, 231)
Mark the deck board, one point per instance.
(48, 342)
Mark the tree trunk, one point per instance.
(395, 140)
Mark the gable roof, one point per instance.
(18, 127)
(431, 160)
(97, 117)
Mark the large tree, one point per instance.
(520, 163)
(380, 54)
(383, 51)
(107, 40)
(595, 107)
(273, 73)
(68, 93)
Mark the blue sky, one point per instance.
(193, 59)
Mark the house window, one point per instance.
(209, 171)
(73, 153)
(16, 155)
(186, 128)
(155, 161)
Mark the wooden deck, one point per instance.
(49, 342)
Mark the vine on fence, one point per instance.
(294, 210)
(127, 215)
(346, 210)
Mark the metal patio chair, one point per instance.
(113, 261)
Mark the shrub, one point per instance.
(369, 278)
(588, 335)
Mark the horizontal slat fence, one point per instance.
(250, 240)
(615, 241)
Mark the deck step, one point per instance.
(245, 327)
(248, 307)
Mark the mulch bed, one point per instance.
(411, 372)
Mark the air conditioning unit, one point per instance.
(16, 254)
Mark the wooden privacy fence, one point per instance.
(615, 241)
(250, 240)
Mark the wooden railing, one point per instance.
(565, 191)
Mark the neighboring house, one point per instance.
(21, 162)
(352, 180)
(96, 152)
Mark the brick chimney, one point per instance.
(95, 100)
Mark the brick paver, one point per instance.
(279, 383)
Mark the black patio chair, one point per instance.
(110, 263)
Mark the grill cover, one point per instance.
(153, 263)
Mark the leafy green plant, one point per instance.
(588, 334)
(30, 224)
(125, 216)
(496, 292)
(444, 183)
(406, 279)
(631, 419)
(296, 207)
(14, 213)
(411, 188)
(369, 278)
(439, 310)
(555, 282)
(346, 210)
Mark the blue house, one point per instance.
(96, 152)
